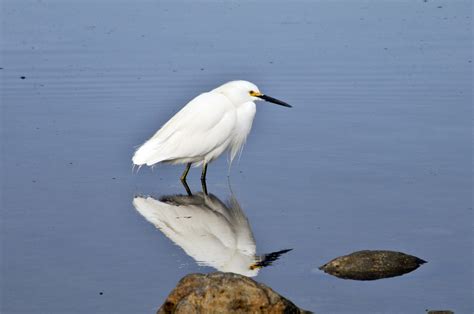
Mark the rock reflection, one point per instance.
(213, 233)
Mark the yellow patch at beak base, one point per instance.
(255, 94)
(255, 266)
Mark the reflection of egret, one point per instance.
(208, 125)
(211, 232)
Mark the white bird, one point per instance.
(208, 125)
(211, 232)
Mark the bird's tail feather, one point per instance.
(150, 153)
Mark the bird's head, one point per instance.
(240, 92)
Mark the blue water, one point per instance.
(376, 152)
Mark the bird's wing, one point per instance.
(203, 234)
(203, 125)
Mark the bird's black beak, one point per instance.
(273, 100)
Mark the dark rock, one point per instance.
(372, 265)
(225, 293)
(440, 312)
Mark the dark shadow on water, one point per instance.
(214, 233)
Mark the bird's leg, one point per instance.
(183, 179)
(185, 173)
(204, 186)
(203, 173)
(203, 179)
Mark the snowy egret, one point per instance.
(208, 125)
(211, 232)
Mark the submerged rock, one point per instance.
(225, 293)
(372, 265)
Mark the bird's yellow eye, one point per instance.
(254, 93)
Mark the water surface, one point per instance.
(375, 154)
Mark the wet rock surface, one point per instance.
(225, 293)
(372, 265)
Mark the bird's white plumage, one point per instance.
(212, 233)
(208, 125)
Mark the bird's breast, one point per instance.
(245, 114)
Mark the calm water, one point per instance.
(375, 154)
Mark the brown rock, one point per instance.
(225, 293)
(372, 265)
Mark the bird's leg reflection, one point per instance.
(186, 187)
(203, 179)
